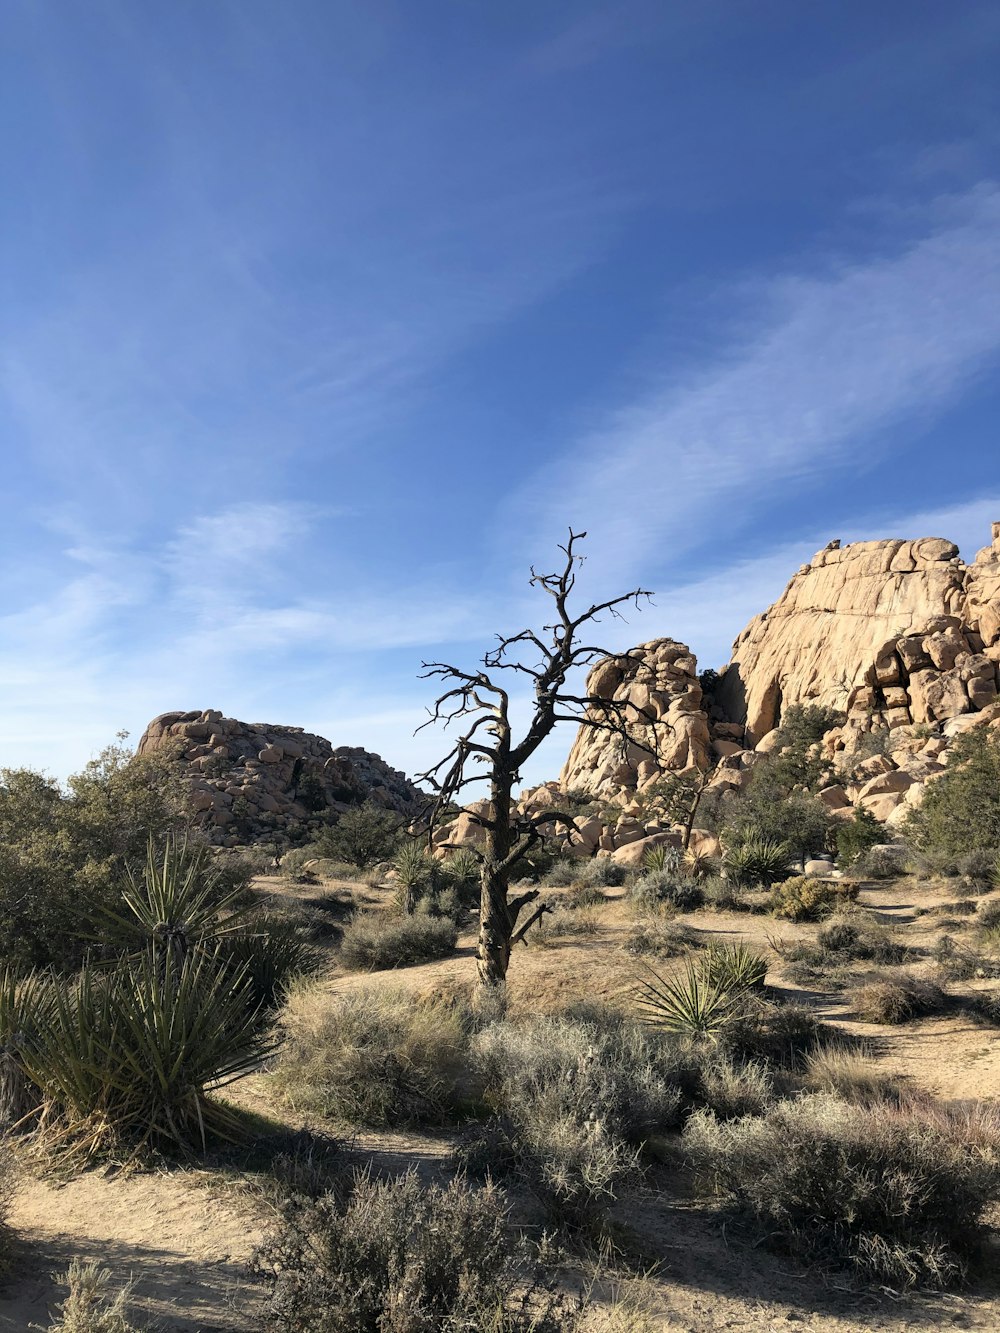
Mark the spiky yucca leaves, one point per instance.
(733, 967)
(25, 1005)
(414, 869)
(129, 1056)
(272, 952)
(691, 1005)
(756, 861)
(662, 858)
(179, 903)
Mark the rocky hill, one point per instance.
(901, 637)
(253, 781)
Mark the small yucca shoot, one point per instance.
(733, 967)
(692, 1005)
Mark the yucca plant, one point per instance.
(463, 870)
(756, 861)
(733, 967)
(272, 952)
(662, 858)
(414, 872)
(130, 1055)
(692, 1005)
(25, 1005)
(178, 904)
(699, 865)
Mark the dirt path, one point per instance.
(183, 1245)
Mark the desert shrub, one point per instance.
(374, 941)
(962, 964)
(664, 887)
(374, 1056)
(775, 1034)
(660, 936)
(803, 898)
(768, 814)
(690, 1005)
(849, 938)
(883, 861)
(756, 861)
(857, 837)
(270, 952)
(988, 915)
(701, 865)
(574, 1095)
(416, 873)
(980, 868)
(562, 873)
(897, 999)
(362, 835)
(90, 1305)
(585, 895)
(563, 923)
(852, 1076)
(731, 1089)
(600, 872)
(723, 895)
(899, 1199)
(399, 1257)
(445, 902)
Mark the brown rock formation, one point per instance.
(251, 781)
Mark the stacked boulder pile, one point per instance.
(902, 638)
(251, 782)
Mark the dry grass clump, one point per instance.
(898, 1197)
(563, 923)
(803, 898)
(959, 963)
(666, 888)
(852, 1075)
(574, 1096)
(376, 941)
(658, 935)
(91, 1306)
(373, 1057)
(401, 1257)
(897, 999)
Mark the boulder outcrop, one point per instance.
(253, 781)
(902, 638)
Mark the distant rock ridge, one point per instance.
(255, 781)
(899, 636)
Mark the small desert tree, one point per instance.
(488, 751)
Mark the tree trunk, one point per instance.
(494, 925)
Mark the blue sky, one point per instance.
(321, 321)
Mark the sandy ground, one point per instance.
(184, 1238)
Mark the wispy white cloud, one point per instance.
(835, 360)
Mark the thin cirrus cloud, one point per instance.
(837, 358)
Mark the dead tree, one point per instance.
(487, 751)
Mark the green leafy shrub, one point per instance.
(362, 835)
(374, 941)
(898, 1198)
(756, 861)
(600, 872)
(373, 1057)
(400, 1257)
(803, 898)
(897, 999)
(858, 836)
(961, 810)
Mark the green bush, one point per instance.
(374, 941)
(799, 821)
(660, 936)
(803, 898)
(400, 1257)
(362, 835)
(960, 812)
(601, 873)
(898, 1198)
(371, 1057)
(858, 836)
